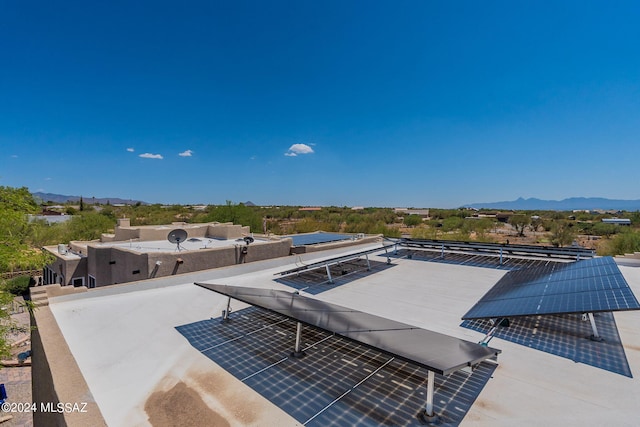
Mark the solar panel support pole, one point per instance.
(500, 256)
(329, 273)
(442, 251)
(595, 336)
(430, 381)
(225, 313)
(368, 263)
(428, 415)
(297, 352)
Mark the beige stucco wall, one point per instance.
(335, 245)
(119, 265)
(67, 267)
(116, 265)
(206, 259)
(227, 231)
(124, 231)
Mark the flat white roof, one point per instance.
(125, 342)
(191, 244)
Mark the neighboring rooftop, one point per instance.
(190, 244)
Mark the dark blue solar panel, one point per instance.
(577, 287)
(317, 238)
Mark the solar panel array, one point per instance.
(315, 281)
(317, 238)
(586, 286)
(332, 261)
(437, 352)
(529, 250)
(471, 260)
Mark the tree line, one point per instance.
(21, 238)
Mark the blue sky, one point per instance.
(413, 103)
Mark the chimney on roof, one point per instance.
(124, 222)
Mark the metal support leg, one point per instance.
(429, 408)
(329, 274)
(225, 313)
(442, 252)
(428, 415)
(297, 352)
(368, 263)
(500, 256)
(595, 336)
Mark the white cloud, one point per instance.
(47, 179)
(296, 149)
(14, 156)
(131, 150)
(186, 153)
(151, 156)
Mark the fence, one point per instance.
(12, 274)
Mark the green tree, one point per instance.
(89, 226)
(412, 220)
(15, 252)
(535, 224)
(519, 222)
(622, 243)
(603, 229)
(562, 233)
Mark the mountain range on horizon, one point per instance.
(572, 203)
(60, 198)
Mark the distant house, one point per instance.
(310, 209)
(617, 221)
(503, 216)
(50, 216)
(409, 211)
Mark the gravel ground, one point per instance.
(17, 380)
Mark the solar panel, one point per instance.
(331, 261)
(437, 352)
(586, 286)
(530, 250)
(317, 238)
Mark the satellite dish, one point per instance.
(176, 236)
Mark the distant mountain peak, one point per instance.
(572, 203)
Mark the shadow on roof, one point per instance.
(338, 382)
(316, 281)
(567, 336)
